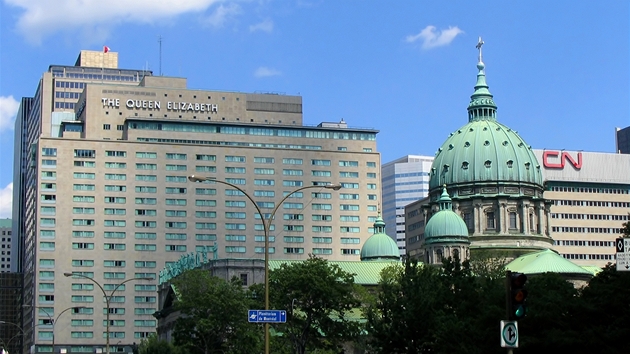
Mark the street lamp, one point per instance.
(107, 298)
(53, 322)
(18, 327)
(266, 227)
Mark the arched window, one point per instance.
(439, 255)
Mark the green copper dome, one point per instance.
(484, 149)
(445, 225)
(379, 246)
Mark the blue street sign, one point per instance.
(267, 316)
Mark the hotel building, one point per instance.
(105, 192)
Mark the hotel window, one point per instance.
(348, 196)
(350, 240)
(49, 175)
(235, 204)
(286, 205)
(235, 238)
(175, 248)
(114, 223)
(292, 172)
(371, 164)
(176, 213)
(46, 246)
(115, 176)
(237, 181)
(348, 251)
(82, 234)
(84, 163)
(292, 183)
(110, 234)
(349, 229)
(145, 247)
(145, 235)
(146, 155)
(235, 215)
(115, 165)
(176, 167)
(349, 207)
(240, 170)
(350, 185)
(114, 188)
(293, 239)
(264, 160)
(175, 190)
(293, 250)
(47, 222)
(206, 169)
(149, 201)
(264, 171)
(264, 182)
(83, 175)
(290, 161)
(49, 163)
(321, 206)
(371, 186)
(146, 189)
(205, 203)
(83, 187)
(146, 166)
(371, 175)
(322, 239)
(200, 157)
(205, 226)
(230, 158)
(293, 228)
(115, 153)
(49, 151)
(171, 236)
(146, 178)
(320, 162)
(235, 249)
(82, 246)
(175, 201)
(205, 237)
(82, 153)
(115, 200)
(82, 263)
(349, 163)
(114, 246)
(112, 211)
(261, 193)
(175, 224)
(175, 156)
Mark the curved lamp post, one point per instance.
(53, 321)
(266, 226)
(107, 298)
(18, 327)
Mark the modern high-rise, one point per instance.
(622, 140)
(404, 180)
(105, 192)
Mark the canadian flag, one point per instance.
(105, 49)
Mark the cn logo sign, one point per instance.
(557, 159)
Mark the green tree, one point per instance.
(625, 229)
(213, 315)
(321, 300)
(153, 345)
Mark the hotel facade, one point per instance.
(103, 192)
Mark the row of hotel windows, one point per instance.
(591, 190)
(50, 287)
(584, 243)
(45, 311)
(281, 132)
(592, 203)
(52, 198)
(90, 323)
(590, 230)
(589, 216)
(589, 256)
(90, 298)
(235, 170)
(183, 248)
(88, 153)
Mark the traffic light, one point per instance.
(517, 295)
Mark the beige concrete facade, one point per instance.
(112, 198)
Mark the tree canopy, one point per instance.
(213, 315)
(320, 299)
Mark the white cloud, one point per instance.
(223, 14)
(41, 18)
(8, 109)
(265, 26)
(6, 201)
(266, 72)
(432, 38)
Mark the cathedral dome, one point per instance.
(445, 225)
(380, 246)
(484, 150)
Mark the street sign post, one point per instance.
(622, 246)
(509, 334)
(267, 316)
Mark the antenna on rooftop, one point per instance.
(160, 41)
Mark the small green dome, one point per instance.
(445, 224)
(379, 246)
(484, 150)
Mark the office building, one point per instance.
(106, 194)
(403, 181)
(5, 245)
(589, 197)
(622, 140)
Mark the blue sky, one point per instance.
(559, 70)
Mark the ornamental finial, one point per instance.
(478, 46)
